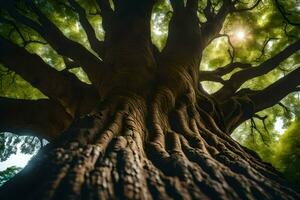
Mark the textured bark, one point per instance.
(153, 134)
(129, 151)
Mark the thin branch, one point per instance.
(263, 119)
(208, 10)
(212, 27)
(250, 8)
(70, 64)
(237, 79)
(286, 110)
(232, 52)
(287, 33)
(253, 127)
(27, 42)
(14, 25)
(284, 14)
(266, 42)
(95, 44)
(16, 28)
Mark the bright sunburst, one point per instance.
(240, 35)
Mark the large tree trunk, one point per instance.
(154, 135)
(123, 152)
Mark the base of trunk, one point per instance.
(125, 155)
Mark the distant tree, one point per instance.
(286, 156)
(142, 125)
(8, 173)
(11, 143)
(282, 151)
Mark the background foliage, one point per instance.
(5, 175)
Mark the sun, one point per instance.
(240, 35)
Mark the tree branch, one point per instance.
(192, 5)
(274, 93)
(248, 9)
(42, 118)
(284, 14)
(177, 5)
(237, 79)
(211, 28)
(183, 47)
(221, 71)
(14, 25)
(266, 42)
(106, 13)
(217, 74)
(183, 40)
(64, 46)
(209, 76)
(259, 100)
(96, 45)
(61, 87)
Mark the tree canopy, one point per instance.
(251, 48)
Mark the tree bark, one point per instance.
(124, 152)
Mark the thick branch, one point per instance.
(277, 91)
(96, 45)
(184, 31)
(42, 118)
(177, 5)
(183, 47)
(260, 100)
(64, 46)
(106, 13)
(61, 87)
(237, 79)
(192, 5)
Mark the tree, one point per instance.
(289, 143)
(142, 126)
(6, 174)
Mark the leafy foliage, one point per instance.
(282, 151)
(286, 155)
(8, 173)
(11, 143)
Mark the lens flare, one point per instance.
(240, 35)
